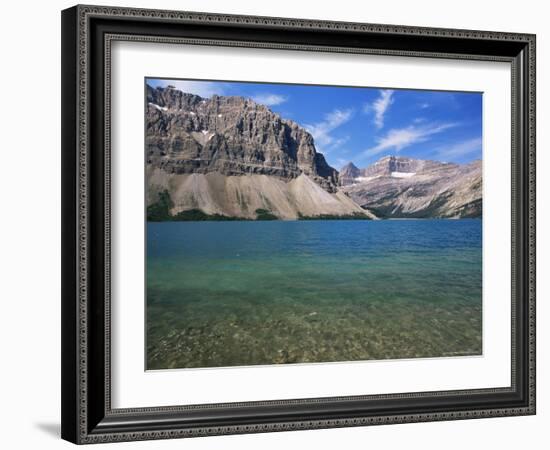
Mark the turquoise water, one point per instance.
(246, 293)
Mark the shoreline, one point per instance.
(390, 219)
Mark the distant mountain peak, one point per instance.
(349, 165)
(348, 174)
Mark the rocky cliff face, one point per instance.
(229, 135)
(404, 187)
(233, 157)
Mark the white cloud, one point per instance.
(201, 88)
(380, 106)
(338, 142)
(398, 139)
(460, 149)
(321, 131)
(270, 99)
(424, 105)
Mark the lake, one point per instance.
(268, 292)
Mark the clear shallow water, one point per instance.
(245, 293)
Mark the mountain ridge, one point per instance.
(402, 187)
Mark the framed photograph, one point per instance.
(278, 224)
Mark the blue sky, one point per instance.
(364, 124)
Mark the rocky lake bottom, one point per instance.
(256, 293)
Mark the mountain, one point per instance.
(232, 157)
(400, 187)
(348, 174)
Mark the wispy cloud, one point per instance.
(338, 142)
(460, 149)
(424, 105)
(201, 88)
(321, 131)
(399, 138)
(380, 106)
(270, 99)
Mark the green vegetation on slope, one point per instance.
(198, 215)
(160, 212)
(264, 214)
(354, 216)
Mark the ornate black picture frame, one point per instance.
(87, 35)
